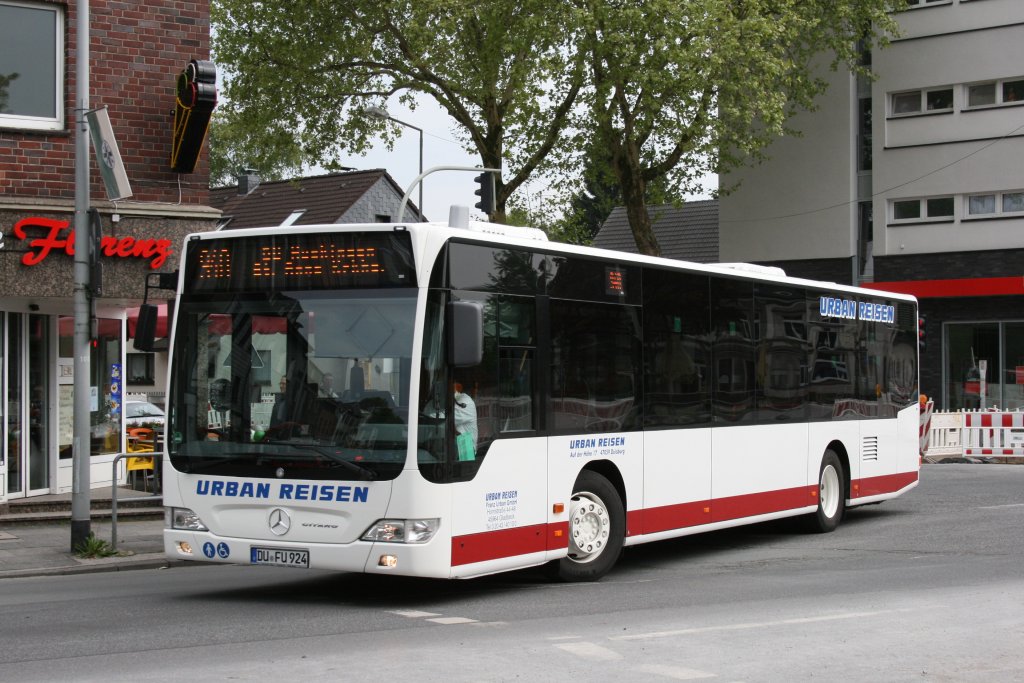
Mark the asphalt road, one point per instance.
(929, 587)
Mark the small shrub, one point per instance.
(93, 547)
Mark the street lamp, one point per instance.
(379, 113)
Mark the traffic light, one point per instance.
(486, 193)
(921, 341)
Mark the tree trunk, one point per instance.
(634, 195)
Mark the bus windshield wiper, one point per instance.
(333, 458)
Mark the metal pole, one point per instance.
(81, 446)
(434, 169)
(421, 173)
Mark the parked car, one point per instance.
(143, 414)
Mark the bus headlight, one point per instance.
(402, 530)
(183, 518)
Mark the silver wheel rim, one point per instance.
(829, 491)
(589, 527)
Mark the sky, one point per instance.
(443, 189)
(440, 190)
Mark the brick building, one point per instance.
(137, 52)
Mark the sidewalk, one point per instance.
(43, 548)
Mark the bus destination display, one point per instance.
(311, 261)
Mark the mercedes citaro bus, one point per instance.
(500, 401)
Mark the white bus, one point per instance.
(597, 400)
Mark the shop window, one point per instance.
(984, 365)
(141, 368)
(31, 66)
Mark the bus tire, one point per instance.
(597, 529)
(831, 495)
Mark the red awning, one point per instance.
(109, 328)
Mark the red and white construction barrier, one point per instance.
(993, 434)
(926, 425)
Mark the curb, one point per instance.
(106, 564)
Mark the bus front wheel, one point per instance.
(597, 529)
(831, 495)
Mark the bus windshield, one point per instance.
(304, 384)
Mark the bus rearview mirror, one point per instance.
(465, 333)
(145, 328)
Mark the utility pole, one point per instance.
(81, 444)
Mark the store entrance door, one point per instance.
(26, 366)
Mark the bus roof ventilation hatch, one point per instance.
(458, 217)
(753, 268)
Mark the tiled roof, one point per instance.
(688, 232)
(325, 198)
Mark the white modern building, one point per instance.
(915, 183)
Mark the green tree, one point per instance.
(684, 88)
(667, 90)
(299, 72)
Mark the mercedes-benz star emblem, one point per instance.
(280, 522)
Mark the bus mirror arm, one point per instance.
(465, 333)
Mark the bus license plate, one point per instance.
(279, 557)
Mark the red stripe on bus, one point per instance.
(494, 545)
(678, 516)
(751, 504)
(889, 483)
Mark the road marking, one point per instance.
(453, 620)
(676, 673)
(413, 614)
(753, 625)
(1001, 507)
(591, 651)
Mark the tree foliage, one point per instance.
(300, 72)
(658, 92)
(679, 89)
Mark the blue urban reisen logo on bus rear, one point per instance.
(847, 309)
(336, 493)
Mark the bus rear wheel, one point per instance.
(831, 495)
(597, 529)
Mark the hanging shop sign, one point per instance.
(196, 98)
(50, 235)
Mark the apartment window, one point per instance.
(918, 101)
(1013, 91)
(1010, 91)
(906, 102)
(995, 204)
(981, 205)
(933, 208)
(31, 66)
(1013, 202)
(981, 95)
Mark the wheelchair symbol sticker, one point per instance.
(208, 550)
(223, 551)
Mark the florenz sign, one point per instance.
(58, 237)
